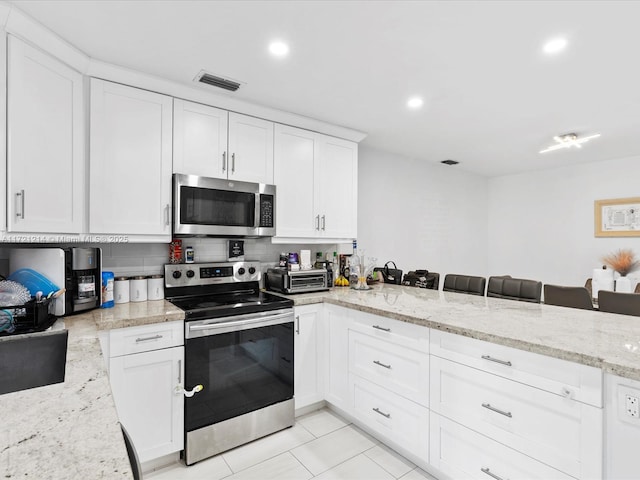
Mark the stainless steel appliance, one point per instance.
(239, 348)
(218, 207)
(285, 281)
(78, 270)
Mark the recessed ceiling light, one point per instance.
(555, 46)
(415, 102)
(278, 49)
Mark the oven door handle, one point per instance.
(215, 328)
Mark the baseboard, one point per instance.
(310, 408)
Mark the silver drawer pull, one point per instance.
(386, 415)
(491, 474)
(381, 328)
(155, 337)
(497, 410)
(382, 364)
(497, 360)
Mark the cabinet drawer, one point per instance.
(392, 416)
(124, 341)
(400, 333)
(400, 369)
(554, 375)
(461, 453)
(558, 431)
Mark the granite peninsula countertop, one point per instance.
(603, 340)
(71, 429)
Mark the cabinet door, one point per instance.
(250, 149)
(337, 357)
(130, 164)
(199, 139)
(307, 371)
(296, 152)
(336, 185)
(143, 387)
(45, 143)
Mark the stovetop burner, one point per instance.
(215, 290)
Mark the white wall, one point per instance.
(541, 224)
(421, 215)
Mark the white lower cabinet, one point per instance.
(461, 453)
(336, 354)
(307, 360)
(147, 386)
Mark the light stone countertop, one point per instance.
(71, 429)
(603, 340)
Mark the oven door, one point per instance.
(212, 206)
(244, 363)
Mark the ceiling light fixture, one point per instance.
(415, 102)
(567, 141)
(278, 49)
(555, 46)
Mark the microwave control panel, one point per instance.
(266, 210)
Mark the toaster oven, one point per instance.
(284, 281)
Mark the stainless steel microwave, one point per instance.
(226, 208)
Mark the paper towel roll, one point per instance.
(602, 280)
(305, 259)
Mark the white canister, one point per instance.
(121, 290)
(155, 287)
(138, 289)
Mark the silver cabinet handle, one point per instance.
(497, 410)
(382, 364)
(381, 328)
(298, 324)
(497, 360)
(377, 410)
(167, 214)
(146, 339)
(233, 163)
(179, 372)
(317, 222)
(224, 161)
(491, 474)
(323, 222)
(20, 214)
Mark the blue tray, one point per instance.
(34, 281)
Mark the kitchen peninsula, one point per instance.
(87, 440)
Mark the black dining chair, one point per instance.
(464, 284)
(617, 302)
(136, 470)
(574, 297)
(514, 289)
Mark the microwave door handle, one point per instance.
(256, 220)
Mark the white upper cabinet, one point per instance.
(210, 142)
(316, 179)
(199, 139)
(250, 149)
(130, 161)
(45, 143)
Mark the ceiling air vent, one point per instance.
(450, 162)
(216, 81)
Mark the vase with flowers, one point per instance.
(624, 262)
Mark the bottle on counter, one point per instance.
(189, 255)
(107, 290)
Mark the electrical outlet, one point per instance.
(632, 407)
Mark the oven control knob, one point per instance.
(241, 271)
(177, 274)
(252, 270)
(190, 273)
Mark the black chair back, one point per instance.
(133, 455)
(617, 302)
(514, 289)
(574, 297)
(464, 284)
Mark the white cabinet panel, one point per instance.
(130, 164)
(125, 341)
(307, 361)
(250, 149)
(148, 406)
(199, 139)
(400, 333)
(337, 357)
(461, 453)
(45, 141)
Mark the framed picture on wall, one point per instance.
(617, 217)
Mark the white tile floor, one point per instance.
(321, 445)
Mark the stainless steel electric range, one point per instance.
(239, 349)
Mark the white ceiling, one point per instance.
(493, 100)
